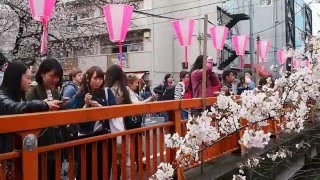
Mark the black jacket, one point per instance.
(9, 106)
(78, 102)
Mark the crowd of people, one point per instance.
(96, 88)
(190, 84)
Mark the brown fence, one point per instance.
(135, 157)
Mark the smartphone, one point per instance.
(64, 100)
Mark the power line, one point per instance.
(195, 7)
(153, 15)
(177, 4)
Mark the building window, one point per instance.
(133, 43)
(265, 3)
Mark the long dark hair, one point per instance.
(47, 66)
(11, 83)
(85, 85)
(115, 74)
(198, 64)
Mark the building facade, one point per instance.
(283, 23)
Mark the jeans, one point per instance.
(184, 115)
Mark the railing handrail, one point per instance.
(33, 121)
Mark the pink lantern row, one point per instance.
(117, 18)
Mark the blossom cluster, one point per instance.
(281, 153)
(252, 138)
(165, 172)
(288, 103)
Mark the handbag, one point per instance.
(132, 122)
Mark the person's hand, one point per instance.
(94, 103)
(87, 98)
(53, 105)
(224, 89)
(154, 97)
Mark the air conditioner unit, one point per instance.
(146, 34)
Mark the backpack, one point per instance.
(168, 93)
(65, 85)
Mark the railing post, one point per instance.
(29, 154)
(16, 165)
(175, 116)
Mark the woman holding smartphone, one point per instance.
(93, 94)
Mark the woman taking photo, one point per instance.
(133, 84)
(195, 83)
(167, 86)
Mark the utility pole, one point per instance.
(204, 75)
(251, 38)
(204, 72)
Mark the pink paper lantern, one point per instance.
(219, 36)
(296, 64)
(264, 47)
(117, 18)
(281, 57)
(184, 32)
(307, 63)
(41, 10)
(240, 43)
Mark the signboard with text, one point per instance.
(115, 59)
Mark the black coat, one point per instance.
(9, 106)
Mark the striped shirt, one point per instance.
(49, 95)
(179, 90)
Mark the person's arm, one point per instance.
(216, 83)
(69, 92)
(159, 89)
(133, 97)
(251, 85)
(9, 106)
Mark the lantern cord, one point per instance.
(240, 62)
(44, 35)
(186, 55)
(120, 53)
